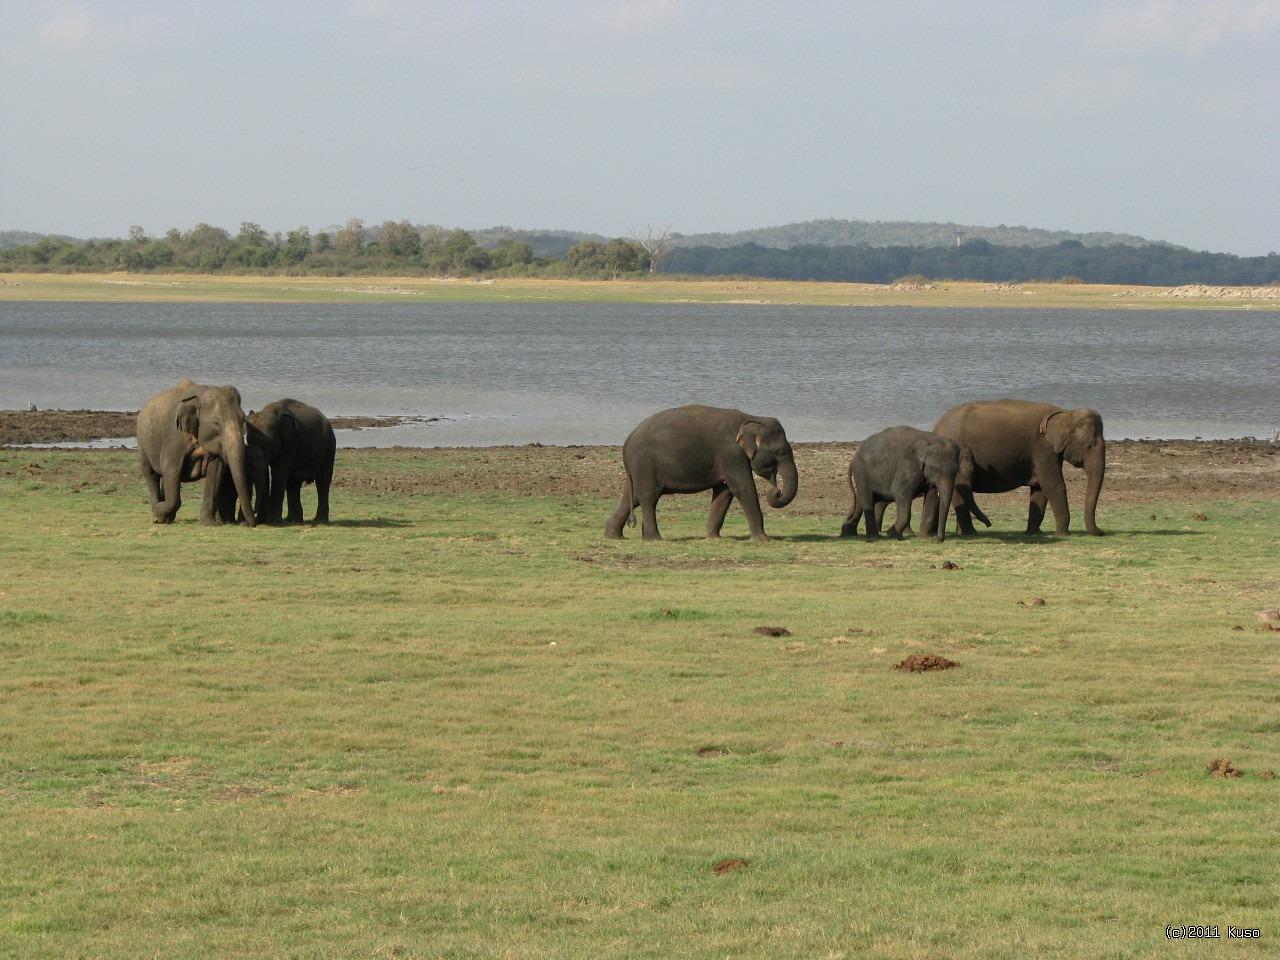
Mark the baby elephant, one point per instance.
(695, 448)
(900, 464)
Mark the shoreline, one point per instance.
(113, 430)
(177, 288)
(106, 429)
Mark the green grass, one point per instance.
(468, 726)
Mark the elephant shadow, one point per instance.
(373, 523)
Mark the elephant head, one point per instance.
(765, 444)
(213, 415)
(1076, 435)
(938, 459)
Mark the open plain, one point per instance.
(457, 722)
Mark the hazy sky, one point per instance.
(1153, 117)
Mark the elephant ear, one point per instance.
(288, 430)
(187, 419)
(1054, 434)
(749, 437)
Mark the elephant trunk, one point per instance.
(1095, 467)
(233, 452)
(785, 491)
(946, 489)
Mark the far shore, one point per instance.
(95, 287)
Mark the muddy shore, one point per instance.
(1138, 471)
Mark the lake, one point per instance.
(514, 373)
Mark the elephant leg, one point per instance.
(720, 500)
(851, 522)
(929, 516)
(295, 502)
(649, 512)
(745, 491)
(154, 494)
(1035, 508)
(209, 504)
(322, 495)
(902, 503)
(170, 497)
(623, 515)
(964, 518)
(1055, 493)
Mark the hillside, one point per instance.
(900, 233)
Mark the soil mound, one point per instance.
(921, 662)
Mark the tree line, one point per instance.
(399, 249)
(1071, 261)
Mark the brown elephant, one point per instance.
(181, 432)
(1020, 443)
(695, 448)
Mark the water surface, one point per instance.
(587, 373)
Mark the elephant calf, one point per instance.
(298, 445)
(695, 448)
(900, 464)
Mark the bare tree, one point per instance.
(657, 243)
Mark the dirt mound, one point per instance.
(921, 662)
(1222, 769)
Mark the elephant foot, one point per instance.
(613, 535)
(895, 533)
(760, 538)
(848, 530)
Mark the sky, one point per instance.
(1150, 117)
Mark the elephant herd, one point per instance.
(983, 447)
(254, 464)
(193, 431)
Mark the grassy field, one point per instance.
(465, 725)
(150, 287)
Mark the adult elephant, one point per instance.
(896, 466)
(695, 448)
(181, 431)
(298, 446)
(1020, 443)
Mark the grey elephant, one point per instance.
(298, 446)
(963, 493)
(1020, 443)
(694, 448)
(181, 432)
(900, 464)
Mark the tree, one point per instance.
(400, 240)
(656, 243)
(623, 256)
(586, 256)
(349, 241)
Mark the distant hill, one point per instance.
(24, 238)
(900, 233)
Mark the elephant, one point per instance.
(900, 464)
(298, 445)
(694, 448)
(182, 432)
(1020, 443)
(963, 490)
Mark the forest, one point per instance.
(403, 249)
